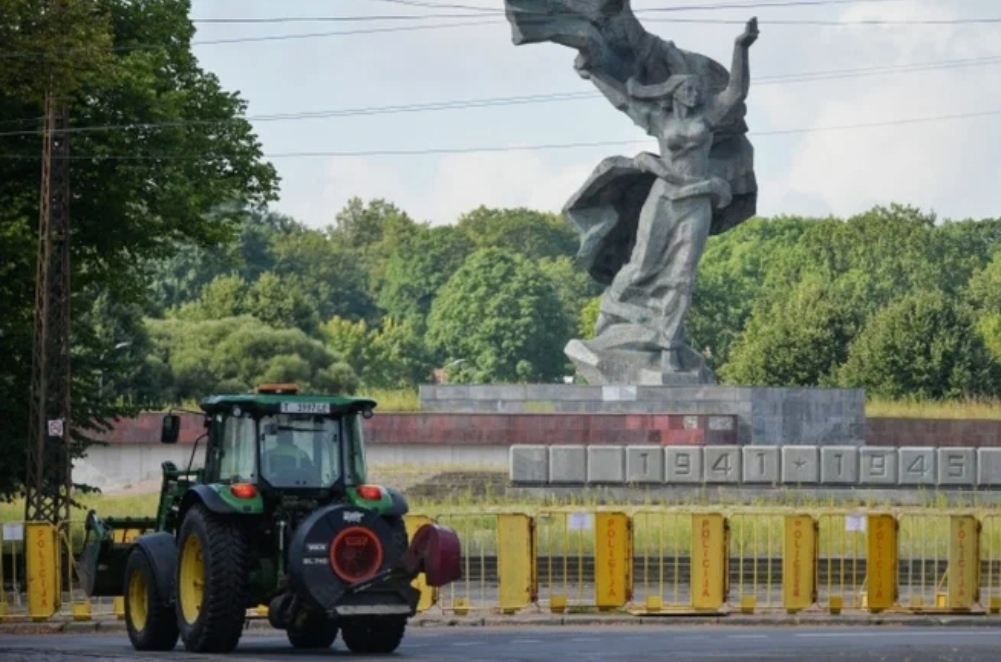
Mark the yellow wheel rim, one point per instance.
(191, 582)
(138, 606)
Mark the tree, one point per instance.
(238, 353)
(500, 316)
(331, 272)
(532, 234)
(921, 347)
(138, 193)
(573, 285)
(731, 281)
(390, 356)
(51, 47)
(984, 295)
(418, 268)
(800, 340)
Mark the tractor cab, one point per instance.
(278, 440)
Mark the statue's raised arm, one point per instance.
(611, 43)
(736, 90)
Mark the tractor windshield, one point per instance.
(300, 450)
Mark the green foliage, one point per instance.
(418, 267)
(532, 234)
(389, 357)
(799, 340)
(235, 354)
(53, 47)
(921, 347)
(573, 285)
(124, 213)
(500, 315)
(731, 280)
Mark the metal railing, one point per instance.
(647, 560)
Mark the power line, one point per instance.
(713, 7)
(834, 74)
(508, 148)
(489, 22)
(247, 40)
(497, 12)
(856, 23)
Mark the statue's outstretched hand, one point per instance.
(750, 34)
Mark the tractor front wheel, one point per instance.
(211, 582)
(316, 631)
(377, 635)
(151, 623)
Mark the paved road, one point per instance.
(541, 644)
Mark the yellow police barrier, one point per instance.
(613, 560)
(964, 562)
(42, 568)
(881, 563)
(710, 576)
(516, 569)
(10, 535)
(990, 555)
(414, 522)
(841, 561)
(659, 560)
(565, 558)
(755, 542)
(662, 559)
(477, 590)
(799, 563)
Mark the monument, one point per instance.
(644, 221)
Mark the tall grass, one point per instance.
(407, 400)
(989, 409)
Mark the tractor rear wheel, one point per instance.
(211, 581)
(377, 634)
(316, 631)
(149, 619)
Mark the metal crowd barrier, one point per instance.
(659, 560)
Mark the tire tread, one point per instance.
(223, 613)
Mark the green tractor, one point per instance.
(279, 515)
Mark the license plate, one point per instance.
(305, 407)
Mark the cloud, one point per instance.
(944, 166)
(938, 165)
(448, 186)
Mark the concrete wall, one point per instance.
(134, 454)
(122, 465)
(948, 468)
(771, 416)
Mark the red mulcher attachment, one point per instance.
(435, 551)
(346, 582)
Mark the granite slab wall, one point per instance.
(768, 416)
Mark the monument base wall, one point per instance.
(764, 415)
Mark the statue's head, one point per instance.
(685, 91)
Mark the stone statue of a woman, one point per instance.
(644, 221)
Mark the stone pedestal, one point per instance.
(765, 416)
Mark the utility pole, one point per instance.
(49, 479)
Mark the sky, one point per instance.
(811, 156)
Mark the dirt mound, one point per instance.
(448, 485)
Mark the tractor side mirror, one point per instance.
(170, 429)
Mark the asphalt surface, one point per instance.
(643, 643)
